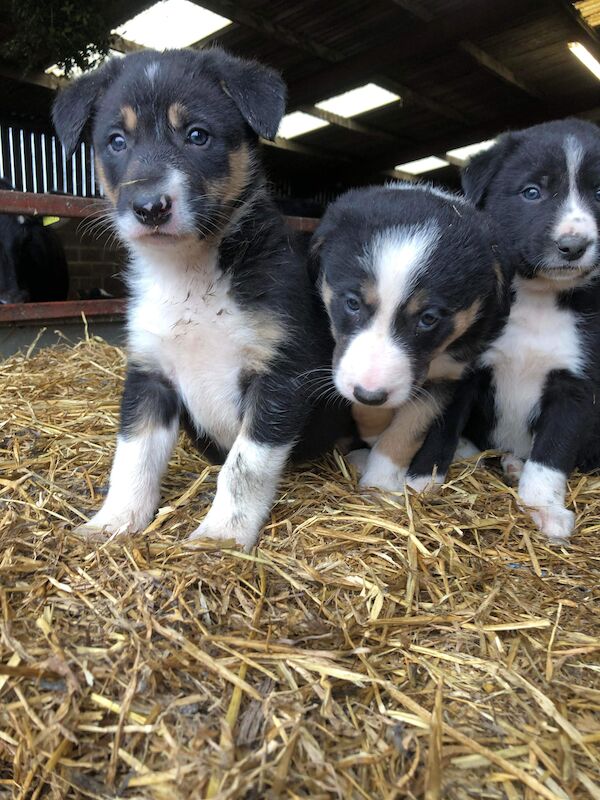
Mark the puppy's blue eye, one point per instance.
(353, 304)
(428, 320)
(531, 193)
(197, 136)
(597, 194)
(117, 142)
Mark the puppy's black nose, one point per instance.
(154, 210)
(370, 398)
(572, 246)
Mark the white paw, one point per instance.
(383, 473)
(225, 530)
(108, 525)
(512, 467)
(358, 459)
(425, 484)
(556, 522)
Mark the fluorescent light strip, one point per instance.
(463, 154)
(422, 165)
(357, 101)
(172, 23)
(298, 123)
(586, 58)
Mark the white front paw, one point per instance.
(107, 524)
(382, 473)
(556, 522)
(225, 530)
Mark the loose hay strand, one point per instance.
(371, 647)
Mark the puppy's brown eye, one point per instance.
(428, 320)
(117, 142)
(197, 136)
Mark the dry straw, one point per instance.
(371, 647)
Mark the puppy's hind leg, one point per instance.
(149, 427)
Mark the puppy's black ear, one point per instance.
(74, 106)
(481, 169)
(258, 91)
(314, 256)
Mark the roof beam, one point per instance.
(498, 69)
(33, 76)
(350, 124)
(274, 30)
(414, 42)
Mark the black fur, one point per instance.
(33, 267)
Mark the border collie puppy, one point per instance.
(542, 375)
(414, 293)
(223, 321)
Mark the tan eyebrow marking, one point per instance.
(130, 119)
(176, 114)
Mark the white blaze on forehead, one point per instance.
(152, 71)
(574, 216)
(396, 258)
(374, 359)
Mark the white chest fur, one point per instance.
(184, 321)
(539, 337)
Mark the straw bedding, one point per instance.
(371, 647)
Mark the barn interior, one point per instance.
(373, 646)
(390, 89)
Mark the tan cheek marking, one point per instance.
(176, 114)
(326, 294)
(406, 433)
(130, 119)
(371, 422)
(462, 322)
(230, 188)
(444, 367)
(268, 334)
(109, 191)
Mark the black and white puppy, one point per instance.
(542, 376)
(414, 291)
(223, 322)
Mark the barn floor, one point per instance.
(370, 648)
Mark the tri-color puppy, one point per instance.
(541, 378)
(414, 292)
(223, 323)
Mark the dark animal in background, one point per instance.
(33, 267)
(414, 292)
(225, 329)
(541, 379)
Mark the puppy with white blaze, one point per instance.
(415, 292)
(223, 323)
(541, 377)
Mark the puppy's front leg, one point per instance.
(390, 458)
(148, 432)
(248, 480)
(558, 436)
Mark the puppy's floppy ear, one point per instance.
(481, 169)
(314, 255)
(74, 106)
(258, 91)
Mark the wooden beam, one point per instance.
(418, 41)
(498, 69)
(415, 9)
(421, 100)
(304, 149)
(350, 124)
(273, 30)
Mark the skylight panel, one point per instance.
(463, 154)
(172, 23)
(297, 123)
(422, 165)
(357, 101)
